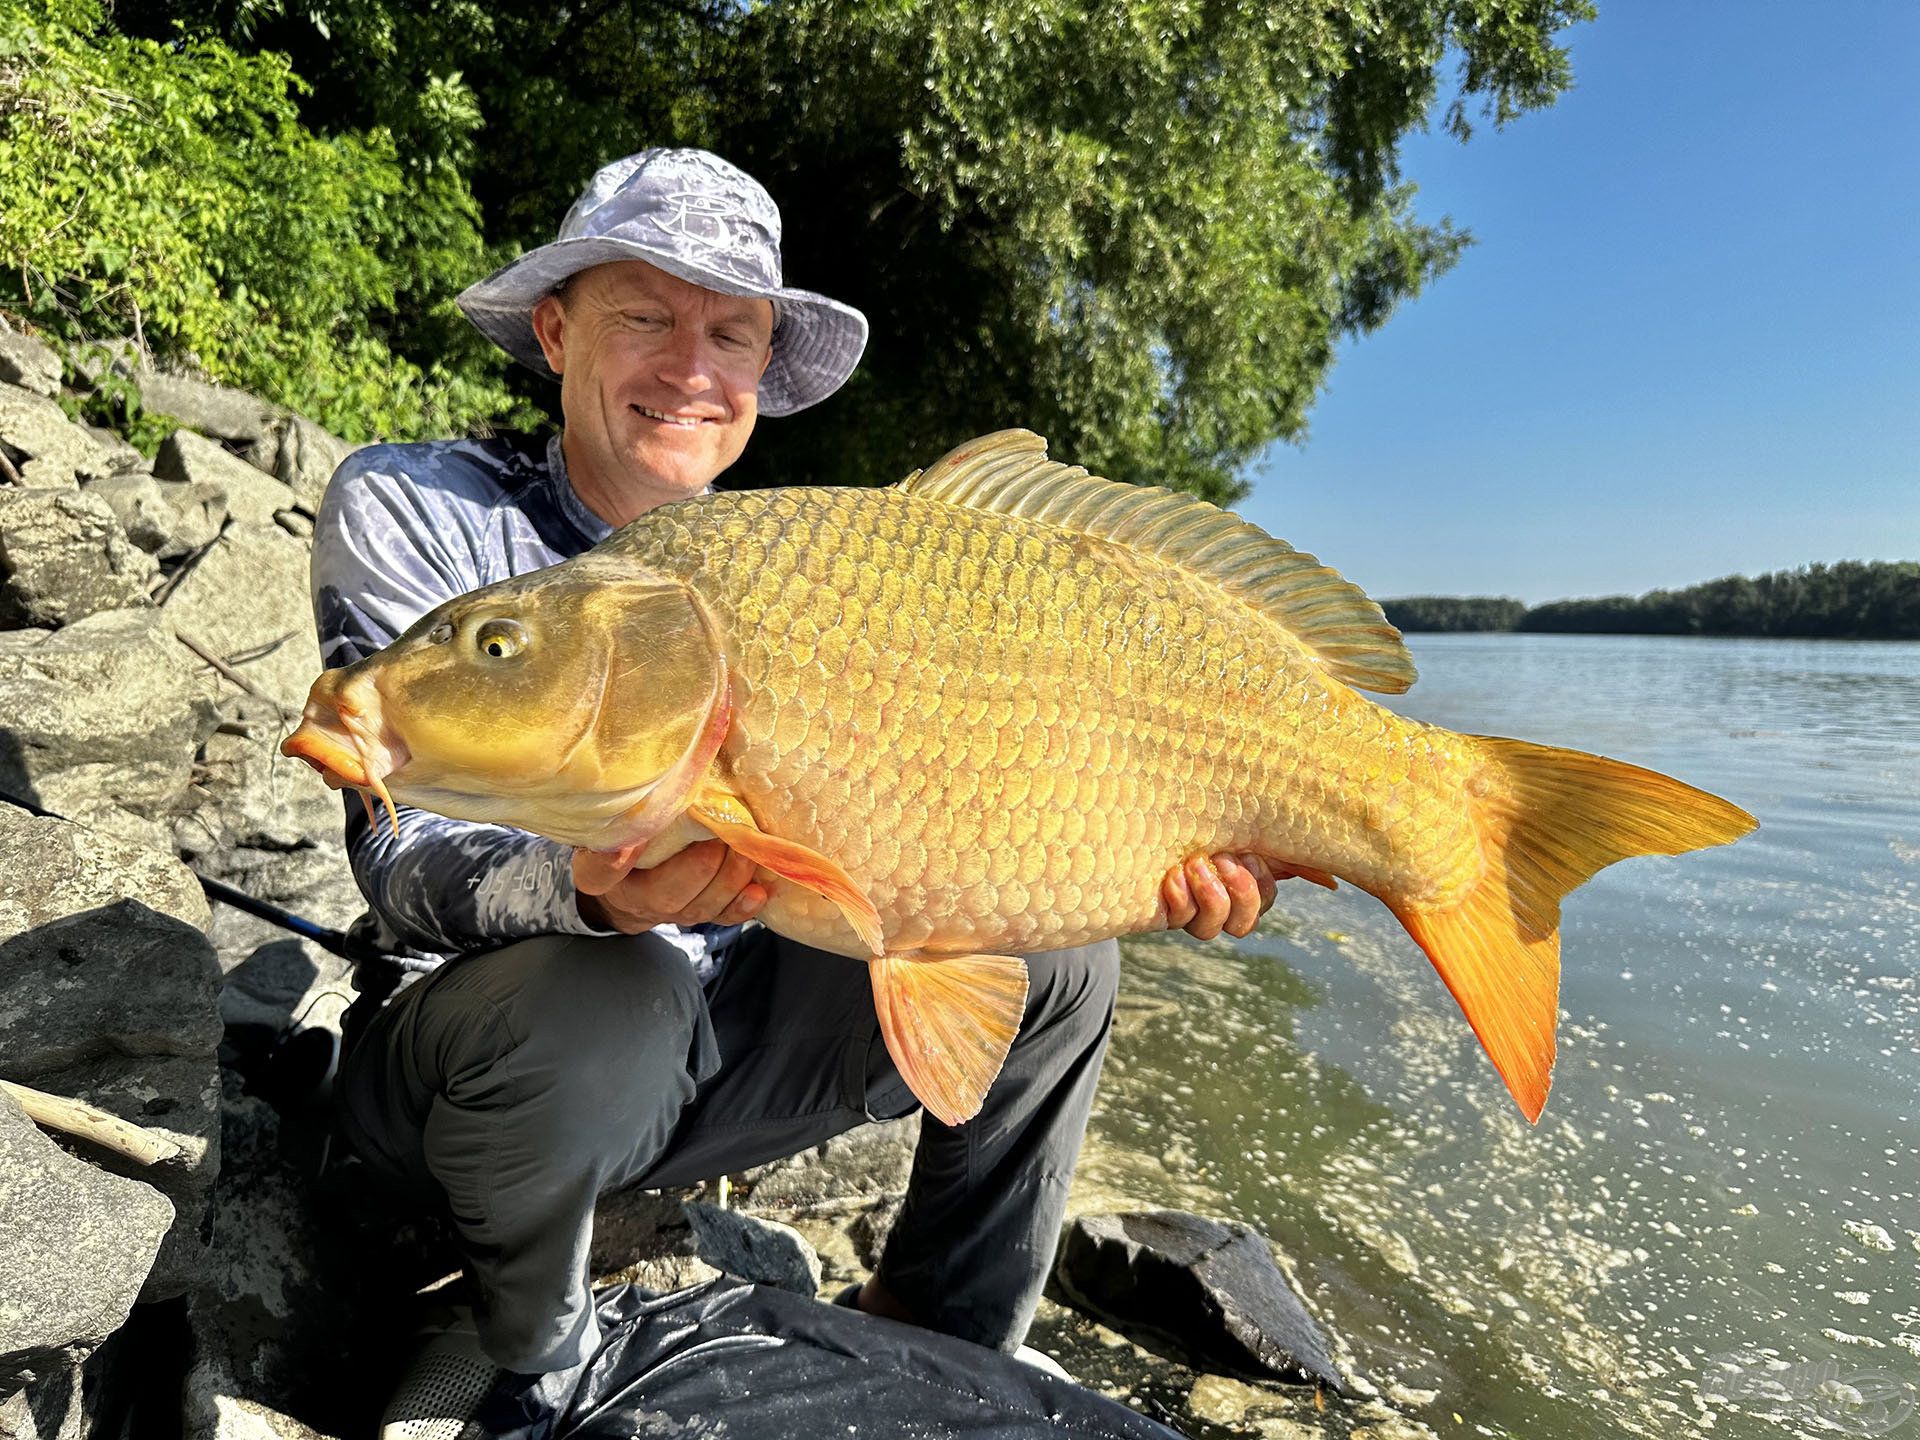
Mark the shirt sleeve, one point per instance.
(384, 555)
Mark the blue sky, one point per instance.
(1686, 343)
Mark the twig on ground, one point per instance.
(76, 1117)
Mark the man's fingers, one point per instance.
(1243, 894)
(745, 905)
(718, 895)
(1262, 872)
(1178, 899)
(1212, 904)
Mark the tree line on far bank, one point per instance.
(1853, 599)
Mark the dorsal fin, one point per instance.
(1008, 473)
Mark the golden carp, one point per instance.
(982, 713)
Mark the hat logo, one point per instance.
(718, 224)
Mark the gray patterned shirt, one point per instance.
(404, 528)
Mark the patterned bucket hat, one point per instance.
(695, 216)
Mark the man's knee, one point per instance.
(1074, 987)
(615, 1019)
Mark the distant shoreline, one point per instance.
(1849, 600)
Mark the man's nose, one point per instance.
(686, 362)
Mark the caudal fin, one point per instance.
(1552, 821)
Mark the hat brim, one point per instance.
(816, 344)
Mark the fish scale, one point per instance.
(1122, 710)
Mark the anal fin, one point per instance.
(949, 1021)
(730, 821)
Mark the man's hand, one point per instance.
(704, 882)
(1208, 894)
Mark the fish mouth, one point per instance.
(344, 738)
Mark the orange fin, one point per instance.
(730, 820)
(949, 1021)
(1548, 820)
(1287, 870)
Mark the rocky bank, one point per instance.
(155, 638)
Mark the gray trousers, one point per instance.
(511, 1088)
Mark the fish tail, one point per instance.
(1547, 822)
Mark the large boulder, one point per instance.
(1206, 1292)
(247, 601)
(99, 721)
(166, 518)
(63, 555)
(211, 409)
(44, 445)
(55, 868)
(846, 1174)
(301, 455)
(252, 498)
(79, 1245)
(119, 1007)
(763, 1251)
(29, 364)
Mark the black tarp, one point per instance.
(751, 1363)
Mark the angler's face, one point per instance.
(659, 382)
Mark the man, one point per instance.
(609, 1027)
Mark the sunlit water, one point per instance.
(1714, 1229)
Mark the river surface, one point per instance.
(1714, 1229)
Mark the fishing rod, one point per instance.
(337, 941)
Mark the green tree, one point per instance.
(1137, 226)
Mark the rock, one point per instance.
(1204, 1291)
(79, 1245)
(44, 446)
(305, 1313)
(119, 1006)
(249, 594)
(101, 721)
(762, 1251)
(166, 518)
(850, 1171)
(63, 555)
(869, 1229)
(53, 1407)
(214, 410)
(301, 455)
(29, 364)
(124, 459)
(252, 498)
(55, 869)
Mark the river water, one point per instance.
(1714, 1230)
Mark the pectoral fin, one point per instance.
(730, 820)
(949, 1021)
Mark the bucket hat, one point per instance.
(695, 216)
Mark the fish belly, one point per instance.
(1007, 732)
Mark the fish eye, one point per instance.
(441, 633)
(502, 639)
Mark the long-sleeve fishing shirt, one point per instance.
(404, 528)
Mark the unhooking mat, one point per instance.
(745, 1362)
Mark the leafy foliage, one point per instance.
(1851, 599)
(1137, 226)
(170, 192)
(1453, 612)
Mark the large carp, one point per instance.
(982, 713)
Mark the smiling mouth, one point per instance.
(679, 422)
